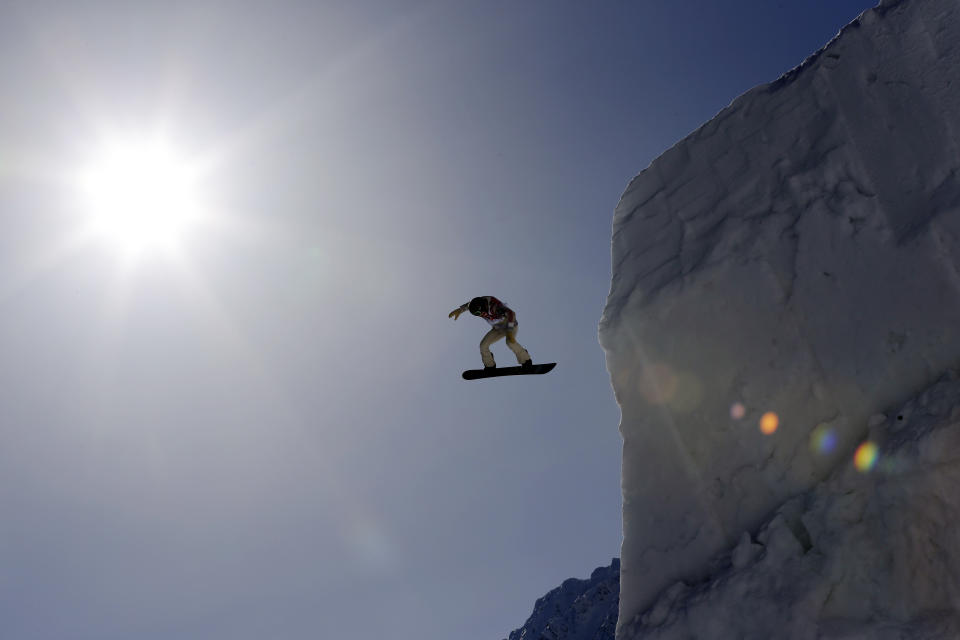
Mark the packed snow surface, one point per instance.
(871, 555)
(780, 276)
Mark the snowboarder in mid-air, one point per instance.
(503, 323)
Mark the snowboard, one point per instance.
(473, 374)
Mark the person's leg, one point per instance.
(516, 347)
(492, 336)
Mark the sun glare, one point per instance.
(140, 194)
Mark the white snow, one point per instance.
(873, 555)
(799, 256)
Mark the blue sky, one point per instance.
(266, 434)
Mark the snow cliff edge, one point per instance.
(795, 262)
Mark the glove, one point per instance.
(456, 313)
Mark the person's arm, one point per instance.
(456, 312)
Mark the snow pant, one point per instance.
(497, 334)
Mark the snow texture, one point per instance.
(862, 555)
(794, 262)
(577, 609)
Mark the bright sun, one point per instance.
(140, 194)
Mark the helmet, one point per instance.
(478, 306)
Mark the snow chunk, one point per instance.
(577, 609)
(779, 278)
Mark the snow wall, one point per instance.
(797, 256)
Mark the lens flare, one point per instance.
(865, 457)
(737, 411)
(769, 423)
(658, 384)
(823, 440)
(689, 393)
